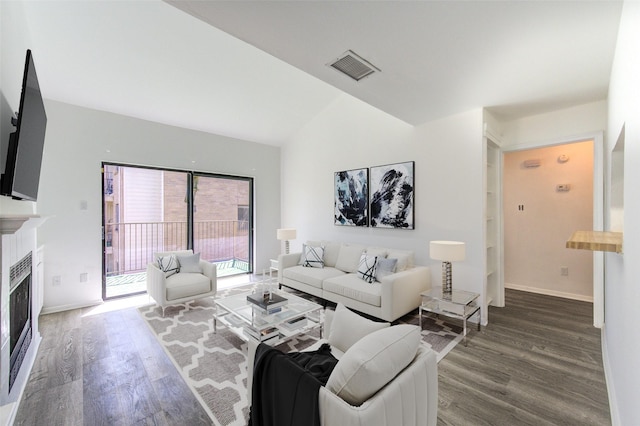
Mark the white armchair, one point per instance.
(197, 279)
(409, 398)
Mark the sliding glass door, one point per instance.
(149, 210)
(222, 222)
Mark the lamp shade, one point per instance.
(447, 251)
(286, 234)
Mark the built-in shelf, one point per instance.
(596, 241)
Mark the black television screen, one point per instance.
(24, 155)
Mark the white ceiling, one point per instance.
(256, 70)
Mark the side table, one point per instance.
(459, 305)
(273, 268)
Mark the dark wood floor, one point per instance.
(538, 362)
(105, 369)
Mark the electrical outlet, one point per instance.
(56, 280)
(84, 277)
(564, 271)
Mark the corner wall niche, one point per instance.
(610, 241)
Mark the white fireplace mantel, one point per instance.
(10, 224)
(18, 231)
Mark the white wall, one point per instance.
(448, 187)
(535, 236)
(79, 139)
(557, 126)
(622, 276)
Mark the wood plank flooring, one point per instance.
(105, 369)
(537, 363)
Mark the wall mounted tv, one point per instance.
(24, 154)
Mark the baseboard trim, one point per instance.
(61, 308)
(608, 376)
(547, 292)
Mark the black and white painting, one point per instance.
(392, 189)
(351, 197)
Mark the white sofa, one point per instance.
(407, 393)
(194, 278)
(388, 298)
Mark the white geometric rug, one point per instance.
(214, 364)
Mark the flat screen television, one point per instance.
(24, 154)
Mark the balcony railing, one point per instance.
(131, 246)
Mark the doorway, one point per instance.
(149, 210)
(548, 194)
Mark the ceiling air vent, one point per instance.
(353, 66)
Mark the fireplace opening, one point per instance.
(19, 315)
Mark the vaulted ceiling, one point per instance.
(257, 70)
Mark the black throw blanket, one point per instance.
(285, 386)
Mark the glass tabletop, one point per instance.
(459, 297)
(258, 319)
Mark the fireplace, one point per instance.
(19, 315)
(21, 297)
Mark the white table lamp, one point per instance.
(447, 252)
(286, 234)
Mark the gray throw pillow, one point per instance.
(385, 267)
(190, 263)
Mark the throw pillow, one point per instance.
(349, 258)
(189, 263)
(168, 264)
(367, 268)
(347, 328)
(385, 267)
(313, 257)
(405, 259)
(373, 362)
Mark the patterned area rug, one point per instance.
(214, 364)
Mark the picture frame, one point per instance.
(351, 197)
(392, 196)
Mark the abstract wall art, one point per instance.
(392, 189)
(351, 198)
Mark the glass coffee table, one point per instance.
(243, 318)
(459, 304)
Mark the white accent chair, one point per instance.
(182, 286)
(408, 399)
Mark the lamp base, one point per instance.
(286, 247)
(447, 286)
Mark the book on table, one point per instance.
(264, 334)
(294, 324)
(452, 308)
(268, 303)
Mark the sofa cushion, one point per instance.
(189, 263)
(349, 285)
(347, 328)
(367, 268)
(349, 257)
(311, 276)
(313, 257)
(168, 264)
(373, 361)
(379, 252)
(405, 259)
(186, 285)
(385, 267)
(331, 252)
